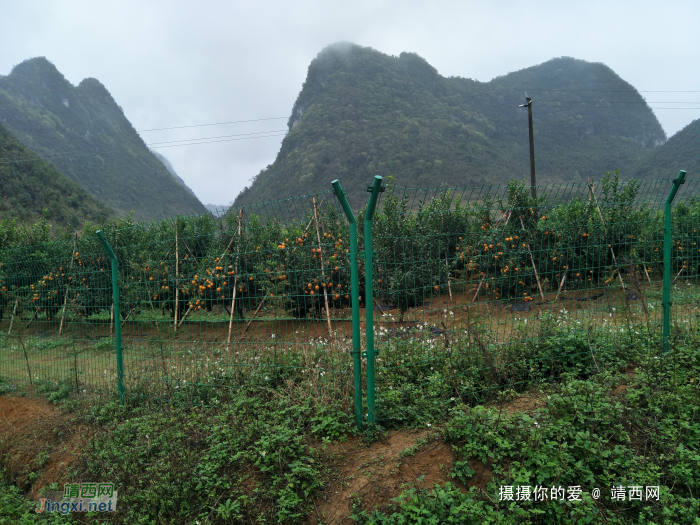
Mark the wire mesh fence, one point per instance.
(472, 291)
(480, 290)
(255, 296)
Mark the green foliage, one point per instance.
(86, 135)
(587, 434)
(15, 509)
(361, 113)
(443, 505)
(681, 152)
(421, 244)
(248, 461)
(35, 190)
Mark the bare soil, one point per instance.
(377, 473)
(40, 442)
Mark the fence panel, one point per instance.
(257, 296)
(475, 291)
(482, 290)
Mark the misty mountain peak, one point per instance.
(362, 113)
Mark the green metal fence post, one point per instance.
(668, 230)
(117, 314)
(369, 295)
(355, 298)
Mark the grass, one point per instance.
(466, 337)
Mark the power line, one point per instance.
(71, 155)
(219, 137)
(214, 141)
(210, 124)
(277, 133)
(187, 126)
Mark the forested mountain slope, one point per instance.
(681, 152)
(83, 131)
(362, 113)
(172, 172)
(29, 187)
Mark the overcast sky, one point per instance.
(175, 63)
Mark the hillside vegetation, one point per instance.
(172, 172)
(362, 113)
(83, 131)
(34, 185)
(681, 152)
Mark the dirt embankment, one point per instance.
(38, 441)
(40, 444)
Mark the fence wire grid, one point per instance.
(474, 290)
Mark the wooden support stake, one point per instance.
(240, 220)
(378, 306)
(600, 214)
(323, 274)
(26, 360)
(12, 319)
(478, 289)
(30, 321)
(254, 315)
(188, 249)
(184, 316)
(127, 316)
(646, 273)
(561, 285)
(65, 298)
(235, 280)
(449, 287)
(177, 279)
(532, 259)
(111, 319)
(678, 275)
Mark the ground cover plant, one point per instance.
(628, 416)
(612, 429)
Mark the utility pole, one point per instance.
(533, 183)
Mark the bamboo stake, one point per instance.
(235, 279)
(510, 213)
(378, 306)
(127, 316)
(240, 219)
(449, 287)
(312, 220)
(532, 259)
(255, 314)
(12, 319)
(30, 321)
(188, 249)
(111, 319)
(323, 275)
(678, 275)
(478, 289)
(600, 214)
(177, 278)
(646, 273)
(561, 285)
(65, 298)
(183, 317)
(26, 360)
